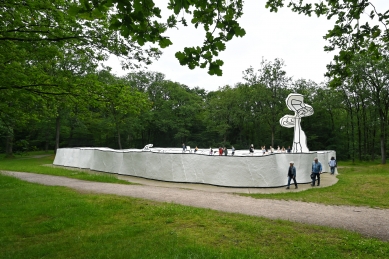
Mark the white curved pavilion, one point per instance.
(172, 165)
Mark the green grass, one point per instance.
(363, 184)
(360, 184)
(41, 163)
(40, 221)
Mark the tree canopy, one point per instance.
(54, 93)
(359, 28)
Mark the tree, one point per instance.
(372, 77)
(271, 83)
(349, 35)
(140, 20)
(17, 111)
(119, 101)
(37, 33)
(174, 114)
(221, 106)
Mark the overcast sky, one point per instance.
(296, 39)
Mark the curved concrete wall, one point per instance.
(241, 170)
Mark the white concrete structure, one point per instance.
(171, 164)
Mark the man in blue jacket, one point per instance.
(316, 171)
(292, 175)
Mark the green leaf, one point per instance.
(165, 42)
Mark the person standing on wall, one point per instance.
(292, 175)
(332, 164)
(316, 171)
(251, 149)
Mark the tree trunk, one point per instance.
(119, 139)
(9, 144)
(352, 137)
(359, 137)
(383, 140)
(383, 150)
(47, 142)
(373, 146)
(383, 117)
(57, 131)
(70, 140)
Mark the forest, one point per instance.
(55, 93)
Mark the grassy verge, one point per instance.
(359, 185)
(36, 162)
(54, 222)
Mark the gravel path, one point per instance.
(367, 221)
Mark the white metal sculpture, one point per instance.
(147, 147)
(295, 102)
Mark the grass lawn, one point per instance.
(39, 221)
(364, 184)
(40, 162)
(55, 222)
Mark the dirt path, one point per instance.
(367, 221)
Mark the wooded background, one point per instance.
(54, 92)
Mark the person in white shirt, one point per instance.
(332, 164)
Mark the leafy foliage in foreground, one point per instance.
(55, 222)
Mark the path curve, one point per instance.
(367, 221)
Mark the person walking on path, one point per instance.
(332, 164)
(316, 171)
(292, 175)
(233, 151)
(225, 151)
(183, 147)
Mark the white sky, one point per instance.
(297, 39)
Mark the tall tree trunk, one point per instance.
(357, 115)
(9, 144)
(373, 146)
(71, 133)
(119, 139)
(383, 149)
(47, 141)
(383, 115)
(352, 136)
(57, 131)
(359, 137)
(383, 139)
